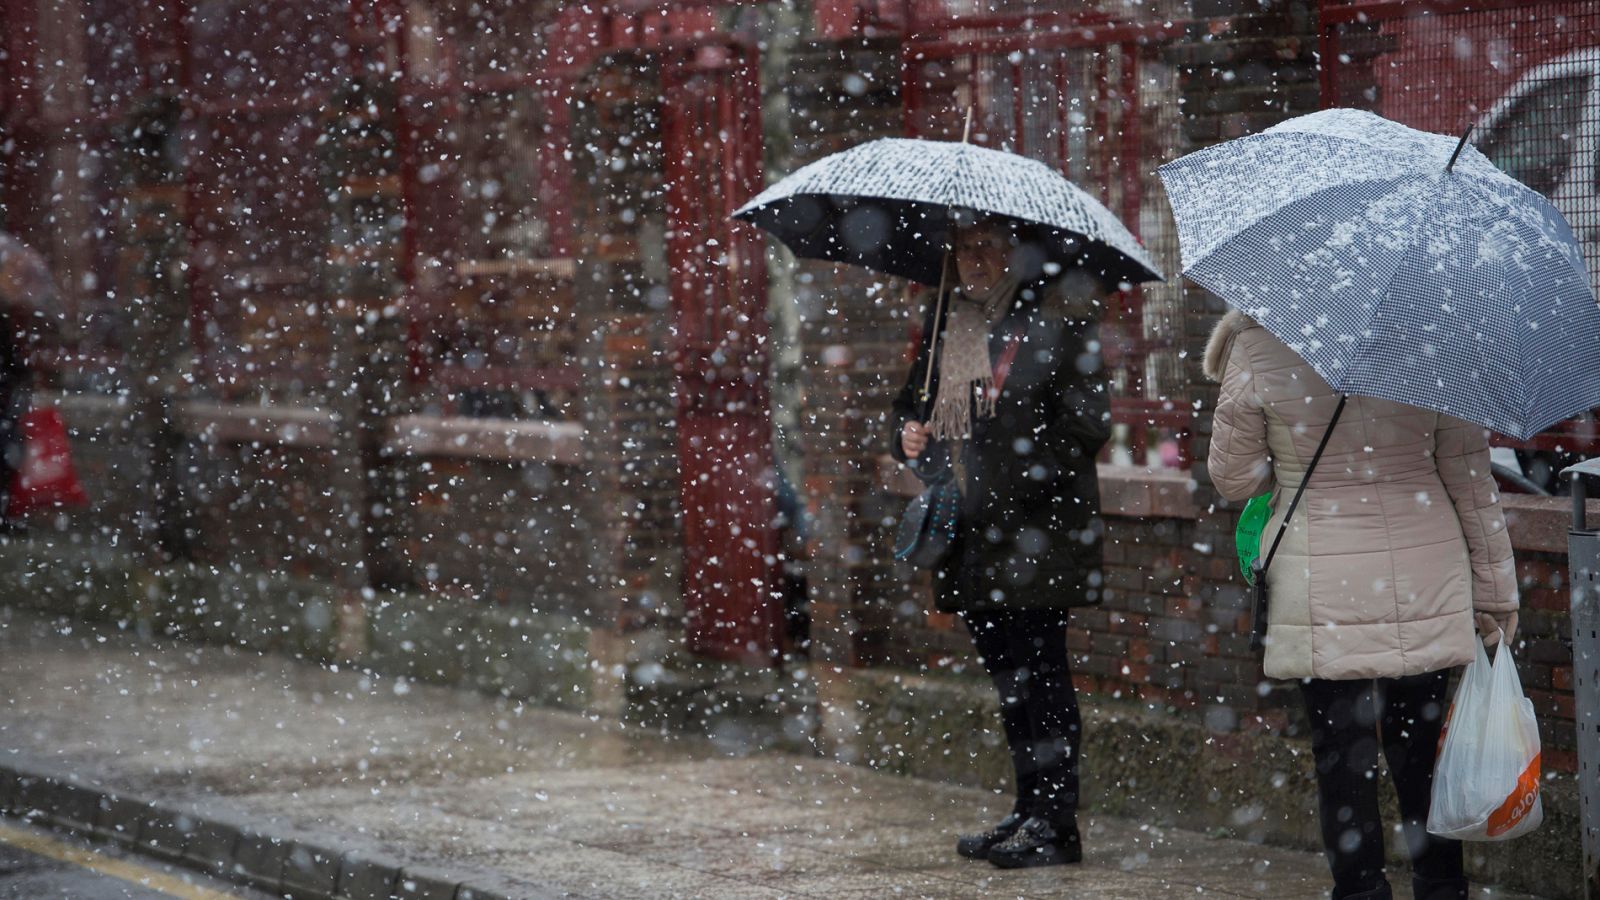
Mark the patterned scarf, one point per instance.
(966, 373)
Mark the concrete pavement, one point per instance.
(455, 788)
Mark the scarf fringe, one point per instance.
(952, 415)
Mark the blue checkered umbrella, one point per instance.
(1395, 272)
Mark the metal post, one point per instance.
(1583, 563)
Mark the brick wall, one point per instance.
(499, 531)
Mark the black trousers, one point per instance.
(1025, 654)
(1350, 720)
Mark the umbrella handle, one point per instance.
(933, 339)
(938, 313)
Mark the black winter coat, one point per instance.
(1031, 530)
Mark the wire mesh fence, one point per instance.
(1524, 77)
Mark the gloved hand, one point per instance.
(1490, 626)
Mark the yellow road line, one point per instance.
(34, 842)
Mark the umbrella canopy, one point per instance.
(888, 204)
(1394, 274)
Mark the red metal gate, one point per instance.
(1525, 74)
(712, 152)
(1067, 91)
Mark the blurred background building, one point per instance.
(387, 316)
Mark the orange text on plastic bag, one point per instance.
(1519, 804)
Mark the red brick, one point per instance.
(1184, 607)
(1561, 678)
(1558, 760)
(1149, 693)
(1129, 624)
(1547, 703)
(1534, 676)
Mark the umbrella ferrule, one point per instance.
(1460, 145)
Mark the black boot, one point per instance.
(1439, 888)
(1381, 892)
(976, 846)
(1038, 843)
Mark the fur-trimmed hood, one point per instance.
(1221, 342)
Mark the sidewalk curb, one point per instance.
(220, 842)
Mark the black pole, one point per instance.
(1463, 143)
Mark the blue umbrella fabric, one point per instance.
(1343, 233)
(887, 205)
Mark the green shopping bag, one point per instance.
(1247, 534)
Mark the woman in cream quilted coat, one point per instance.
(1397, 551)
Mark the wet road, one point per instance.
(36, 864)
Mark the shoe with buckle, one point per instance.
(976, 846)
(1037, 842)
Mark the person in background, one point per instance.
(1020, 402)
(1397, 550)
(26, 293)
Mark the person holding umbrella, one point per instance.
(1024, 428)
(1393, 294)
(1007, 396)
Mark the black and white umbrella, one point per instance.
(1400, 264)
(888, 205)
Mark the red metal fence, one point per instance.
(712, 147)
(1086, 94)
(473, 97)
(1525, 75)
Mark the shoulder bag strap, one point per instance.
(1293, 504)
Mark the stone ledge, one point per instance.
(228, 423)
(1125, 491)
(500, 439)
(1147, 493)
(1541, 524)
(86, 411)
(293, 426)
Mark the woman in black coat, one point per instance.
(1023, 443)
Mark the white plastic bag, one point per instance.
(1486, 782)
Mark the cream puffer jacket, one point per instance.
(1399, 536)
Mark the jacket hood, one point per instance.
(1221, 342)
